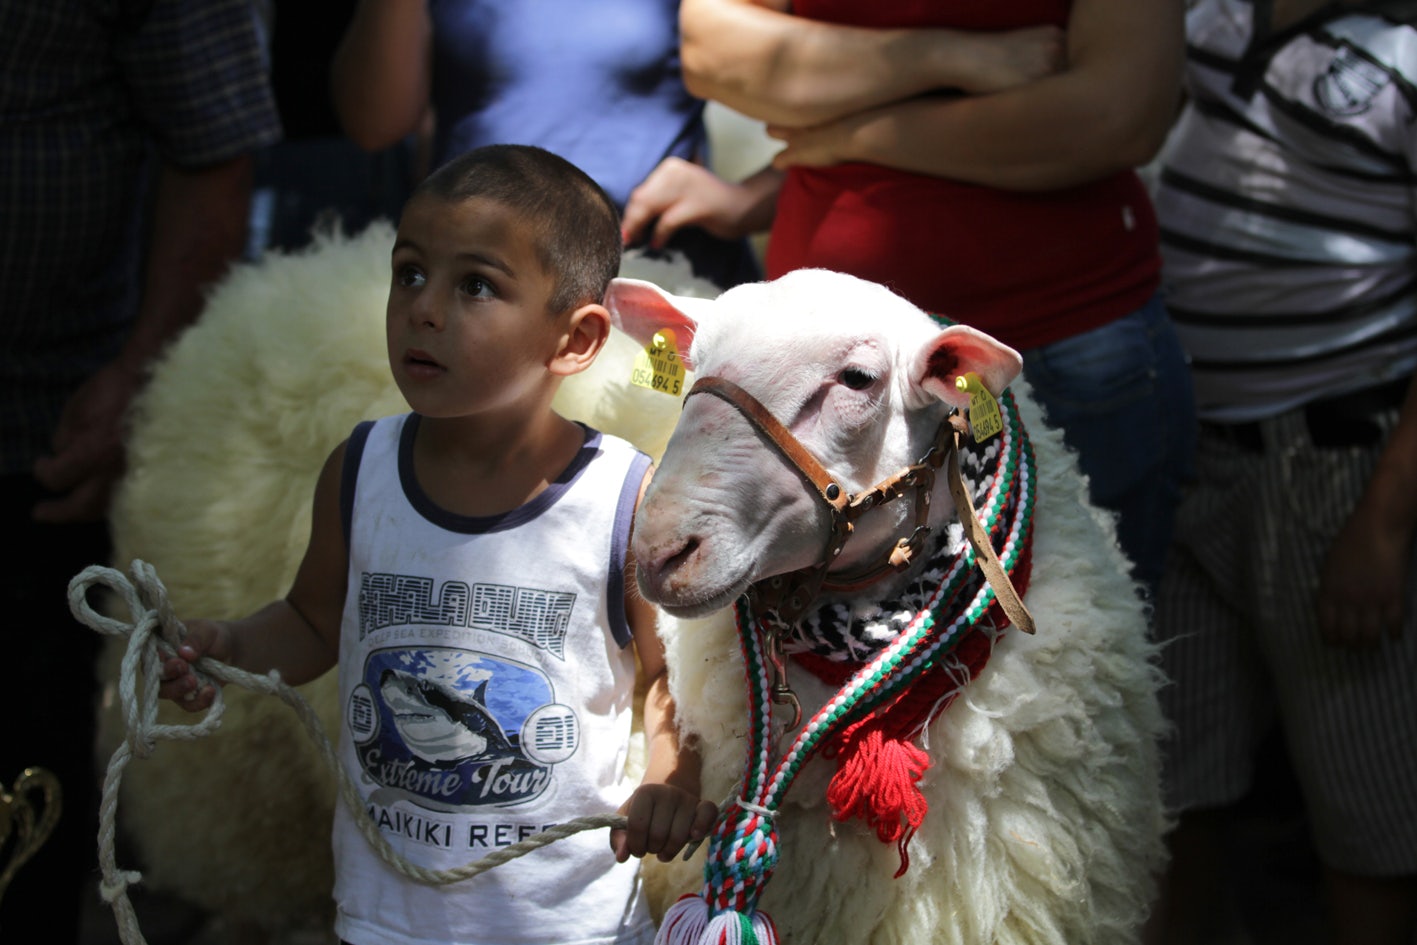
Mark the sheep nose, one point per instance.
(660, 565)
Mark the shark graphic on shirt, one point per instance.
(441, 725)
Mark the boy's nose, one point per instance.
(426, 312)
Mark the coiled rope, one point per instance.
(153, 635)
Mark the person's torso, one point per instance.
(1029, 268)
(1287, 208)
(485, 693)
(597, 83)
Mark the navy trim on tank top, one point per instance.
(619, 543)
(349, 475)
(485, 524)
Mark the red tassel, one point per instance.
(876, 781)
(878, 764)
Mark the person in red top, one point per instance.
(978, 158)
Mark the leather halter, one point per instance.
(790, 595)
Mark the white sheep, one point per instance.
(1044, 812)
(1045, 818)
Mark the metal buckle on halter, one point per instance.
(782, 693)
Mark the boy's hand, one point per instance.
(662, 819)
(179, 680)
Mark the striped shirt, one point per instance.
(89, 91)
(1286, 201)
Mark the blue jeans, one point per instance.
(1122, 395)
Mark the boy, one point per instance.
(467, 571)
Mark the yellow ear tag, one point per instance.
(657, 365)
(984, 418)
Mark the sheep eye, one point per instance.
(857, 379)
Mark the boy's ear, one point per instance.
(585, 334)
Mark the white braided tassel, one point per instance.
(688, 923)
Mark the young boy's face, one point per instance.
(468, 327)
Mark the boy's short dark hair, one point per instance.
(575, 225)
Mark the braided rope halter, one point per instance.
(974, 598)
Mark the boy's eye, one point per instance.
(408, 276)
(478, 287)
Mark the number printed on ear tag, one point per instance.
(657, 365)
(984, 418)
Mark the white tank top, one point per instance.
(486, 687)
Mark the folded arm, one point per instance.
(1109, 110)
(791, 71)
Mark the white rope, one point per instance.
(153, 636)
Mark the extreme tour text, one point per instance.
(498, 779)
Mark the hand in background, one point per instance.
(1015, 57)
(680, 193)
(88, 451)
(1363, 585)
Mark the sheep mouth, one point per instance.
(678, 587)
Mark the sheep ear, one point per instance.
(640, 309)
(957, 351)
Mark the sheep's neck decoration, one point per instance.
(898, 663)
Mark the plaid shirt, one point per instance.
(89, 90)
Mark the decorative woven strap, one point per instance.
(742, 852)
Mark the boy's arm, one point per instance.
(665, 812)
(298, 635)
(1109, 110)
(1362, 594)
(754, 57)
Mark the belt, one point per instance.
(1336, 422)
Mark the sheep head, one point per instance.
(859, 376)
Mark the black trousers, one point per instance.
(48, 691)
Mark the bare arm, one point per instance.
(1363, 586)
(795, 72)
(382, 71)
(665, 812)
(1109, 110)
(298, 635)
(199, 226)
